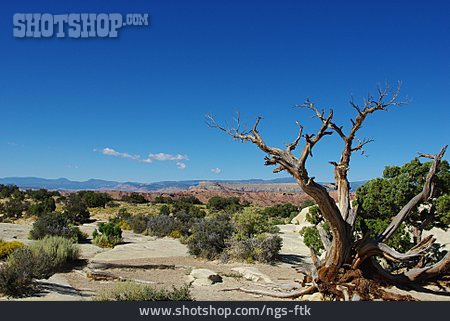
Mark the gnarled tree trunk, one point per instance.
(346, 254)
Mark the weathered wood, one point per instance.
(276, 294)
(342, 251)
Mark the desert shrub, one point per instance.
(55, 224)
(112, 204)
(176, 234)
(122, 215)
(281, 210)
(138, 223)
(14, 207)
(308, 203)
(94, 199)
(261, 248)
(209, 236)
(8, 190)
(311, 238)
(251, 222)
(124, 225)
(6, 248)
(163, 200)
(164, 210)
(76, 209)
(131, 291)
(314, 216)
(400, 240)
(39, 261)
(134, 198)
(42, 194)
(161, 225)
(188, 200)
(59, 249)
(42, 207)
(228, 204)
(17, 274)
(123, 219)
(108, 235)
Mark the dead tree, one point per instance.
(348, 257)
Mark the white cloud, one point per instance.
(181, 165)
(167, 157)
(111, 152)
(216, 170)
(178, 158)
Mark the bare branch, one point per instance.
(253, 137)
(320, 115)
(361, 144)
(374, 248)
(293, 145)
(370, 106)
(311, 140)
(275, 294)
(416, 275)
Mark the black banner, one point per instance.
(297, 310)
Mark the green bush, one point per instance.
(112, 204)
(164, 210)
(42, 207)
(122, 215)
(228, 204)
(17, 274)
(209, 236)
(39, 261)
(251, 222)
(311, 238)
(59, 249)
(134, 198)
(42, 194)
(8, 190)
(94, 199)
(131, 291)
(14, 207)
(6, 248)
(261, 248)
(314, 216)
(282, 210)
(76, 209)
(400, 240)
(161, 225)
(163, 200)
(138, 223)
(108, 235)
(55, 224)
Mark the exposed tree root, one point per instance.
(103, 265)
(98, 275)
(275, 294)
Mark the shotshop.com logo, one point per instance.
(74, 25)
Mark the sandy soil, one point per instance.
(169, 264)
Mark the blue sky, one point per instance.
(132, 108)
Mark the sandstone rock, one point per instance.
(301, 217)
(252, 274)
(203, 277)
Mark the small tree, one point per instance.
(379, 198)
(76, 209)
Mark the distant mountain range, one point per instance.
(98, 184)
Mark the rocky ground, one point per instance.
(165, 262)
